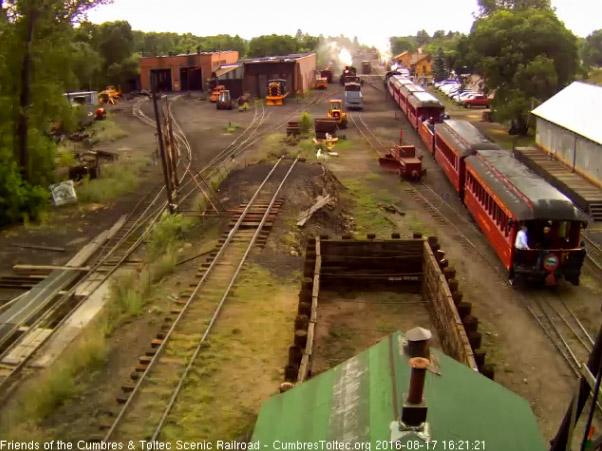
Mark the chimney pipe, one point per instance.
(419, 365)
(418, 342)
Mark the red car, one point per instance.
(476, 100)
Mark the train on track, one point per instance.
(501, 194)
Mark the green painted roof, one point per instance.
(358, 400)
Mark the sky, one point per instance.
(371, 21)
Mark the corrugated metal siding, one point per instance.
(578, 153)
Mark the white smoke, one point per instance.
(345, 57)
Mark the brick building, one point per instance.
(185, 72)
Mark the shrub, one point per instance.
(167, 232)
(305, 124)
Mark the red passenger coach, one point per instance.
(503, 195)
(454, 141)
(422, 106)
(426, 130)
(404, 94)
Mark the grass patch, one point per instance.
(43, 395)
(166, 233)
(231, 128)
(106, 130)
(502, 138)
(116, 180)
(369, 217)
(65, 155)
(343, 144)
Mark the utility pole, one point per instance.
(168, 187)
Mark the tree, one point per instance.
(488, 7)
(591, 50)
(272, 45)
(525, 56)
(422, 37)
(439, 34)
(401, 44)
(439, 71)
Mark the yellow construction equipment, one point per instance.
(224, 101)
(321, 83)
(215, 94)
(277, 91)
(336, 113)
(110, 95)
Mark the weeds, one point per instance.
(116, 179)
(106, 130)
(231, 128)
(305, 123)
(166, 233)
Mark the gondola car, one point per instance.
(454, 141)
(422, 106)
(502, 195)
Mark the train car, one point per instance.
(422, 106)
(404, 93)
(454, 141)
(503, 195)
(395, 83)
(353, 98)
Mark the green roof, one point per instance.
(359, 399)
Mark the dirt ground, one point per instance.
(349, 323)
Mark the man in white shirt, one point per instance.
(521, 238)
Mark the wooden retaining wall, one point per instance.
(443, 310)
(416, 265)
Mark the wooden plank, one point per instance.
(38, 247)
(29, 268)
(316, 286)
(305, 215)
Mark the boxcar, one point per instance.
(502, 195)
(421, 106)
(454, 141)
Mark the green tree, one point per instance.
(591, 50)
(525, 56)
(439, 70)
(401, 44)
(272, 45)
(422, 38)
(488, 7)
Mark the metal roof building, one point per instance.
(363, 399)
(568, 127)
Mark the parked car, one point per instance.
(458, 97)
(448, 87)
(477, 100)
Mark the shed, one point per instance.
(568, 127)
(360, 401)
(299, 71)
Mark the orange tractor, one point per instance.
(277, 91)
(321, 83)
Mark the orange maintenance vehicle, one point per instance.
(215, 94)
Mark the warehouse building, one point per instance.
(185, 72)
(298, 70)
(568, 127)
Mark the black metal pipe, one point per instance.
(590, 415)
(559, 442)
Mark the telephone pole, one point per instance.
(168, 187)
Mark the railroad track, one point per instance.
(549, 310)
(146, 405)
(593, 257)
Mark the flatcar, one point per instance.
(503, 195)
(423, 106)
(454, 141)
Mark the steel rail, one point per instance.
(198, 286)
(219, 306)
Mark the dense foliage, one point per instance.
(526, 56)
(591, 50)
